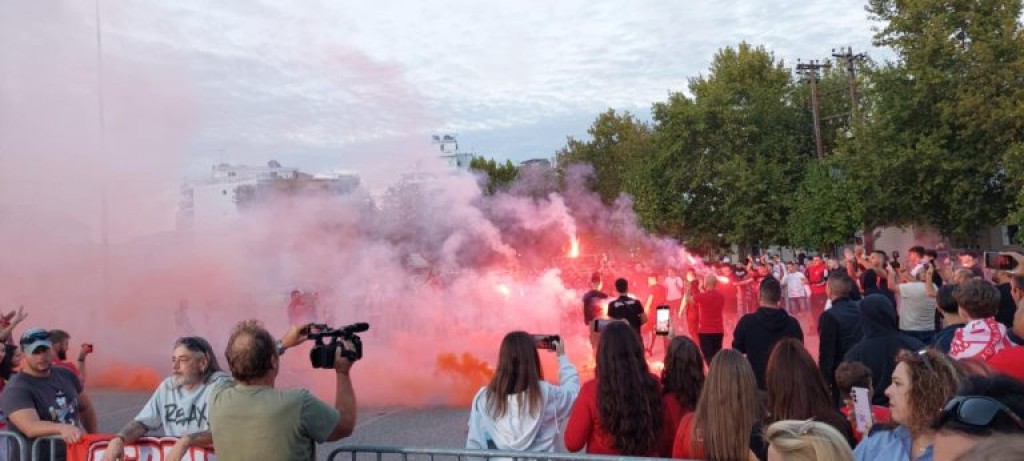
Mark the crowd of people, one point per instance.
(918, 361)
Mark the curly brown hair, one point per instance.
(934, 378)
(628, 401)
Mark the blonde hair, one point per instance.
(807, 441)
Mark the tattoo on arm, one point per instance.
(132, 431)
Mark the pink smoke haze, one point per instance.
(435, 330)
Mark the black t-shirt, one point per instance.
(628, 309)
(54, 399)
(592, 305)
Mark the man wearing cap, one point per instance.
(44, 400)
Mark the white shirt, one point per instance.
(177, 410)
(916, 308)
(794, 284)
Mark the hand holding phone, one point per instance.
(86, 349)
(547, 342)
(661, 320)
(862, 409)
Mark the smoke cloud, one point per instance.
(440, 270)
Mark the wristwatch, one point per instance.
(280, 347)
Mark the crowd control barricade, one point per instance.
(92, 447)
(380, 453)
(16, 446)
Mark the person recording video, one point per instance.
(253, 420)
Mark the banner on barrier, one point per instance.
(93, 447)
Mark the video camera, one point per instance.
(322, 355)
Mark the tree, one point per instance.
(733, 153)
(945, 117)
(618, 144)
(498, 176)
(827, 210)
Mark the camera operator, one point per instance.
(253, 420)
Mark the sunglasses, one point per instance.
(923, 355)
(36, 336)
(977, 411)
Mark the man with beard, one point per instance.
(178, 406)
(61, 343)
(44, 400)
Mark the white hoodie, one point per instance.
(518, 430)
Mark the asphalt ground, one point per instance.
(396, 426)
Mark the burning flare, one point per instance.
(574, 247)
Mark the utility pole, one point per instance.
(809, 71)
(851, 61)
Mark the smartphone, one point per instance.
(546, 342)
(661, 319)
(1000, 261)
(601, 324)
(87, 348)
(862, 409)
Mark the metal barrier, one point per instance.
(378, 453)
(37, 444)
(20, 442)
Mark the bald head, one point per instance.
(710, 281)
(251, 351)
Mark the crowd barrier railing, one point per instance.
(37, 446)
(92, 447)
(20, 444)
(384, 453)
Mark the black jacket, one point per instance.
(757, 333)
(839, 329)
(882, 341)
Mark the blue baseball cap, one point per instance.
(35, 338)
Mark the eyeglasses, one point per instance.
(977, 410)
(41, 335)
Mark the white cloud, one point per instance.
(322, 76)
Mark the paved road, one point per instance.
(410, 427)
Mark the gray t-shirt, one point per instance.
(260, 422)
(54, 398)
(917, 309)
(179, 411)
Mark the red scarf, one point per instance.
(980, 339)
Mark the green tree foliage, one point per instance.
(498, 175)
(732, 153)
(618, 148)
(945, 117)
(828, 209)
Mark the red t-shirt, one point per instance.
(710, 305)
(681, 446)
(879, 414)
(673, 414)
(816, 277)
(1009, 361)
(584, 426)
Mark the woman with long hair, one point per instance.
(620, 410)
(922, 383)
(681, 382)
(797, 391)
(518, 410)
(806, 441)
(726, 425)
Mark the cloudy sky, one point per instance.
(327, 84)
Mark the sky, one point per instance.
(324, 85)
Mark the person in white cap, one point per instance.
(44, 400)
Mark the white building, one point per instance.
(213, 200)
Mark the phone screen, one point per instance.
(1000, 261)
(661, 320)
(862, 409)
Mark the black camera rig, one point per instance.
(322, 355)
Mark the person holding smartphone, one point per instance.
(518, 410)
